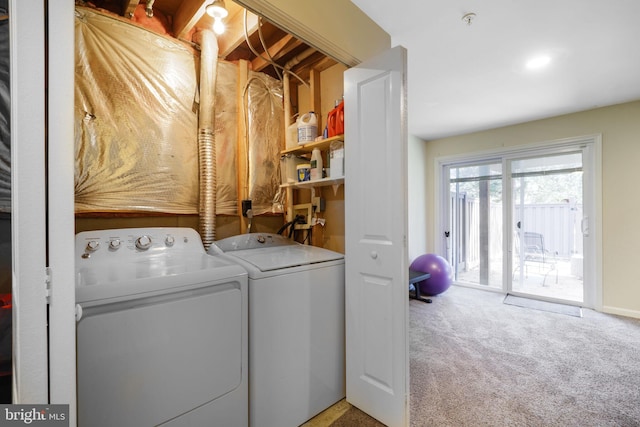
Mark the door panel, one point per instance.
(476, 207)
(376, 249)
(547, 205)
(30, 370)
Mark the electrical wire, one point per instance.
(270, 61)
(299, 219)
(264, 47)
(308, 238)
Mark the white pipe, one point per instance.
(285, 82)
(206, 136)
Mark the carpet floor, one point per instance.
(478, 362)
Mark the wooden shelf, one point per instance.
(323, 145)
(317, 183)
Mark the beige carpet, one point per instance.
(478, 362)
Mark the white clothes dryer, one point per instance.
(161, 331)
(296, 326)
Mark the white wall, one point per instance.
(417, 188)
(620, 129)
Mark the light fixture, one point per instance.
(538, 62)
(217, 10)
(218, 26)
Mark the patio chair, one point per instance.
(536, 255)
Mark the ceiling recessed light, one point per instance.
(538, 62)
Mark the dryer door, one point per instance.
(147, 361)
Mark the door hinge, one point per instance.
(47, 284)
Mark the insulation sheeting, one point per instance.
(226, 134)
(135, 128)
(265, 112)
(136, 121)
(136, 124)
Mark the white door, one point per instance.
(30, 381)
(377, 350)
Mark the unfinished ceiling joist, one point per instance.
(184, 18)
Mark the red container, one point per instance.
(335, 121)
(340, 119)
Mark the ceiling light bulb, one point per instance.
(538, 62)
(217, 9)
(218, 26)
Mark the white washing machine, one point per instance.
(296, 327)
(161, 332)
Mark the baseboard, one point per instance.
(621, 311)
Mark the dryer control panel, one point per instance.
(136, 242)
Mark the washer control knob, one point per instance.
(114, 244)
(143, 242)
(169, 240)
(93, 245)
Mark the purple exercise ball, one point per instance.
(440, 270)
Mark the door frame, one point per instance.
(42, 203)
(286, 13)
(593, 201)
(60, 204)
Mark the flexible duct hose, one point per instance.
(206, 137)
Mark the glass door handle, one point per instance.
(584, 226)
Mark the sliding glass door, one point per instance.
(547, 241)
(517, 221)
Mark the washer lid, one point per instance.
(276, 258)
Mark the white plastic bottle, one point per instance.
(307, 128)
(316, 165)
(336, 159)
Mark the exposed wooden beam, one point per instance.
(314, 94)
(242, 165)
(234, 35)
(303, 69)
(324, 63)
(187, 16)
(277, 51)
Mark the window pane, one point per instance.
(476, 224)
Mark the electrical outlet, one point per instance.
(303, 209)
(246, 205)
